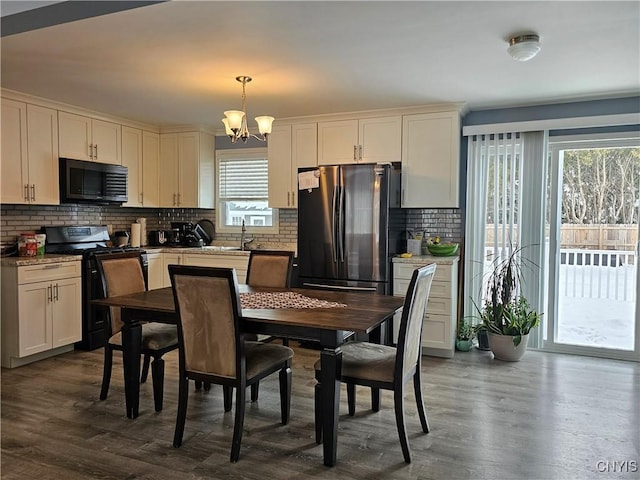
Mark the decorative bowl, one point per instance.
(442, 249)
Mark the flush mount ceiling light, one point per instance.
(235, 121)
(524, 47)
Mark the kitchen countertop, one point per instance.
(428, 259)
(38, 260)
(221, 249)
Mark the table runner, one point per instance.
(283, 300)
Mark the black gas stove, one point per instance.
(88, 241)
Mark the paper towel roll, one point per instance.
(135, 234)
(143, 230)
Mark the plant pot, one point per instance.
(483, 340)
(503, 348)
(464, 345)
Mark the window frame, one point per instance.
(242, 154)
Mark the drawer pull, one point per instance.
(51, 266)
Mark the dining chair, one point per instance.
(121, 273)
(386, 367)
(212, 347)
(269, 268)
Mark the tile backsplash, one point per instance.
(15, 219)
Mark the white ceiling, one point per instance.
(175, 63)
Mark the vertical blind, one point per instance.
(243, 178)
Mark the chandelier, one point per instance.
(235, 123)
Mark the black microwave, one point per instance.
(92, 182)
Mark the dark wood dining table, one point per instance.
(363, 313)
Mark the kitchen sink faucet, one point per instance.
(244, 243)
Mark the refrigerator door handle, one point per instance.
(334, 239)
(341, 217)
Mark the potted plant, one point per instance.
(505, 314)
(464, 338)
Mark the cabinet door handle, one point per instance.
(293, 199)
(288, 199)
(141, 199)
(55, 289)
(355, 149)
(26, 193)
(95, 148)
(50, 294)
(174, 198)
(91, 151)
(360, 152)
(33, 192)
(179, 203)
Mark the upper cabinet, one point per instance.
(367, 140)
(430, 160)
(289, 148)
(85, 138)
(150, 194)
(187, 170)
(140, 154)
(29, 163)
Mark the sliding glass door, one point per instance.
(592, 290)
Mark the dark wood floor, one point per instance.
(548, 416)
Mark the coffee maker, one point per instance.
(186, 234)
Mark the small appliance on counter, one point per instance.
(157, 238)
(121, 239)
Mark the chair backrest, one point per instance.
(270, 268)
(410, 335)
(208, 307)
(121, 273)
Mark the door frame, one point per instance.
(555, 146)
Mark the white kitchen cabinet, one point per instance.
(169, 259)
(155, 277)
(239, 262)
(290, 147)
(367, 140)
(85, 138)
(187, 170)
(41, 310)
(29, 154)
(140, 153)
(150, 169)
(441, 317)
(132, 159)
(431, 160)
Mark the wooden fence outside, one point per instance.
(592, 237)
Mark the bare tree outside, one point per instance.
(601, 186)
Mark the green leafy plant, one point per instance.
(466, 331)
(505, 311)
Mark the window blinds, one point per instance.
(243, 178)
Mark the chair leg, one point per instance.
(285, 342)
(181, 416)
(254, 391)
(198, 384)
(398, 401)
(237, 427)
(106, 373)
(422, 413)
(375, 399)
(351, 398)
(285, 394)
(207, 386)
(227, 392)
(145, 368)
(318, 412)
(157, 374)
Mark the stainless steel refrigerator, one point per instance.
(343, 228)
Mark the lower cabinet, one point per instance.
(169, 259)
(441, 317)
(159, 266)
(239, 262)
(155, 278)
(41, 310)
